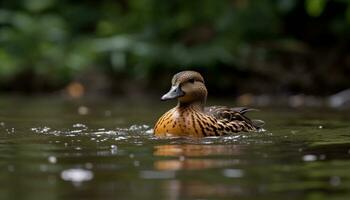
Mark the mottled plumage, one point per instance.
(190, 118)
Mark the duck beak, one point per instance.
(174, 92)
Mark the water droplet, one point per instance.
(40, 129)
(309, 158)
(83, 110)
(79, 126)
(52, 159)
(77, 175)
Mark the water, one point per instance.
(61, 149)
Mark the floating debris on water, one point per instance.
(77, 176)
(75, 89)
(309, 158)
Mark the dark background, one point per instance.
(127, 47)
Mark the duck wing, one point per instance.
(233, 114)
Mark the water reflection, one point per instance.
(197, 150)
(49, 153)
(195, 156)
(198, 189)
(329, 150)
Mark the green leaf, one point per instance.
(315, 8)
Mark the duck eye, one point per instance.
(191, 80)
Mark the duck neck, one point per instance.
(195, 105)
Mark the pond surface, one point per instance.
(60, 149)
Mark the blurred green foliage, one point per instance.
(48, 43)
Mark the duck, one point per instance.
(190, 117)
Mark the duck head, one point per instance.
(188, 87)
